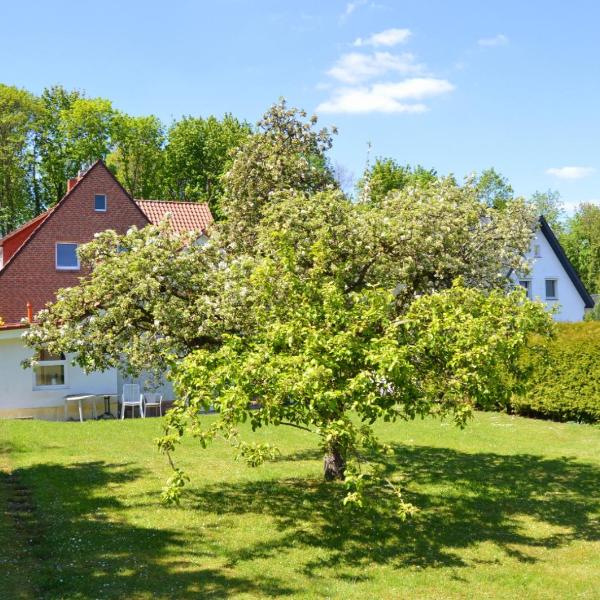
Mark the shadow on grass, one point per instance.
(89, 546)
(464, 499)
(7, 448)
(82, 546)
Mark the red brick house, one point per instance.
(41, 257)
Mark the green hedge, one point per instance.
(565, 384)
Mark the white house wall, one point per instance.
(18, 396)
(571, 306)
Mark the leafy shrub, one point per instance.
(594, 314)
(564, 384)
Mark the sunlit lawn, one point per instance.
(509, 508)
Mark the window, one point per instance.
(66, 256)
(536, 251)
(50, 370)
(551, 289)
(100, 202)
(526, 283)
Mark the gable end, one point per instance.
(49, 214)
(566, 263)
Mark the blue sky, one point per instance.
(458, 86)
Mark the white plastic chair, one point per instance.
(153, 400)
(132, 397)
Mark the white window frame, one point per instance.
(58, 267)
(537, 251)
(555, 297)
(51, 363)
(529, 288)
(105, 203)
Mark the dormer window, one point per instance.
(66, 256)
(100, 202)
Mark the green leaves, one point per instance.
(386, 175)
(47, 139)
(174, 487)
(71, 132)
(308, 310)
(285, 155)
(564, 375)
(581, 242)
(334, 360)
(137, 158)
(256, 454)
(198, 153)
(465, 346)
(18, 112)
(150, 298)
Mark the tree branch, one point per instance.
(296, 426)
(361, 276)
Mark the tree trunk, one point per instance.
(334, 464)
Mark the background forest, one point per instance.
(46, 139)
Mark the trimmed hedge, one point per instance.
(565, 384)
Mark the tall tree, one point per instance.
(342, 309)
(286, 153)
(387, 175)
(73, 131)
(138, 155)
(492, 188)
(87, 126)
(321, 309)
(18, 112)
(50, 143)
(581, 242)
(550, 205)
(198, 153)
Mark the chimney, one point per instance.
(29, 312)
(71, 183)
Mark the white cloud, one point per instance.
(389, 37)
(497, 40)
(571, 172)
(415, 88)
(351, 7)
(386, 97)
(380, 81)
(356, 67)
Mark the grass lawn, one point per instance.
(509, 508)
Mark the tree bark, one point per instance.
(334, 464)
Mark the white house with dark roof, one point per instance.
(553, 279)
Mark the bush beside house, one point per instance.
(565, 385)
(594, 313)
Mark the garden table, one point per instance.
(80, 398)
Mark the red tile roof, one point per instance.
(39, 219)
(11, 243)
(185, 216)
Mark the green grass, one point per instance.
(509, 508)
